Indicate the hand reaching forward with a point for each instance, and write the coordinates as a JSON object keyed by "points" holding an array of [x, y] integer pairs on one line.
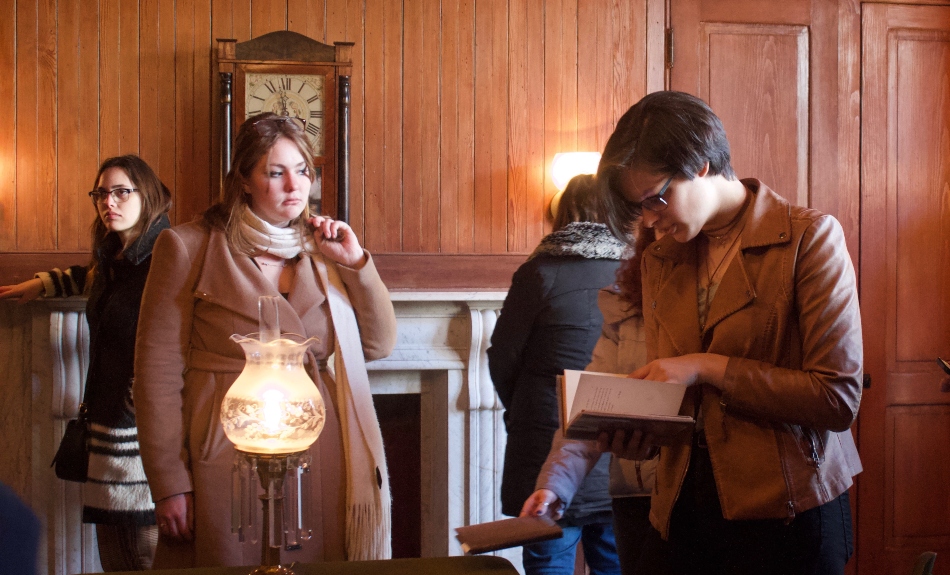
{"points": [[23, 292], [541, 502]]}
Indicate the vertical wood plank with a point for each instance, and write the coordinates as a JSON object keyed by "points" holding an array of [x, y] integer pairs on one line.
{"points": [[109, 79], [534, 226], [308, 17], [393, 126], [90, 131], [241, 20], [71, 179], [26, 92], [448, 129], [267, 16], [185, 168], [499, 127], [374, 123], [413, 82], [221, 27], [431, 138], [128, 87], [9, 115], [202, 191], [483, 126], [517, 183], [467, 223], [165, 162]]}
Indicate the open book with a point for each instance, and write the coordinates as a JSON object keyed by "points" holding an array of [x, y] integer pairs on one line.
{"points": [[506, 533], [592, 402]]}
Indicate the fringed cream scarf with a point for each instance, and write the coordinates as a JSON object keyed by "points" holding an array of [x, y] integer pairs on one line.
{"points": [[368, 500], [282, 242]]}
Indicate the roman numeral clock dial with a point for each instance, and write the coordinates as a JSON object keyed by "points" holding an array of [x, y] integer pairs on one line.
{"points": [[298, 96]]}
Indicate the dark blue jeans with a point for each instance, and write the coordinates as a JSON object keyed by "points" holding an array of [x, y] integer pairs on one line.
{"points": [[556, 557]]}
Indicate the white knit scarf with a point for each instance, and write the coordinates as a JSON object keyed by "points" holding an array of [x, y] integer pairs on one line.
{"points": [[281, 242], [368, 503]]}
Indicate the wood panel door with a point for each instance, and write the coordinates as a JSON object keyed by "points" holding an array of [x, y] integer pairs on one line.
{"points": [[770, 71], [904, 492]]}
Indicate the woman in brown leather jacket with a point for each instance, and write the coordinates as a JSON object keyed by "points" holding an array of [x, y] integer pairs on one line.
{"points": [[752, 303]]}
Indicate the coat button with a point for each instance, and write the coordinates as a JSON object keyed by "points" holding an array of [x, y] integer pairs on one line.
{"points": [[782, 236], [654, 304], [656, 248]]}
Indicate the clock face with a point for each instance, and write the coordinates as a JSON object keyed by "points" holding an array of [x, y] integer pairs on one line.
{"points": [[296, 95]]}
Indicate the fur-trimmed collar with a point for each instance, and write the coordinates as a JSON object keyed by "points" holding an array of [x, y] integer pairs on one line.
{"points": [[584, 239]]}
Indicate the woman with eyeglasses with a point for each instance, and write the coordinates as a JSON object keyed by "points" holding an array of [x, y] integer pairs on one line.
{"points": [[752, 304], [131, 203], [206, 281]]}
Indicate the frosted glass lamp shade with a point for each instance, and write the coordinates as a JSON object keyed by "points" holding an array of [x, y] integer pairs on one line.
{"points": [[273, 406]]}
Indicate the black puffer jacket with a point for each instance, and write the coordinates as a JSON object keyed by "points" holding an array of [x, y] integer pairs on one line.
{"points": [[550, 322]]}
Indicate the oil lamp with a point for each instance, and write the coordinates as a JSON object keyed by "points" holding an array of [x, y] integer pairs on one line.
{"points": [[272, 413]]}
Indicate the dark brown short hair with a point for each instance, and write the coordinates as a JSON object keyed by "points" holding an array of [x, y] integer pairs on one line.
{"points": [[666, 132]]}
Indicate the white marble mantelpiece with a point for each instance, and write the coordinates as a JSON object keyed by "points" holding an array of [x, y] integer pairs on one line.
{"points": [[440, 355]]}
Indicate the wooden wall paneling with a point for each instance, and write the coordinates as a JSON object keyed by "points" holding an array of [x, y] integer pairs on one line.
{"points": [[430, 238], [267, 16], [185, 166], [371, 119], [393, 126], [128, 87], [150, 87], [467, 225], [655, 49], [498, 92], [202, 188], [308, 17], [485, 84], [36, 137], [594, 73], [74, 210], [414, 84], [165, 160], [449, 136], [518, 136], [16, 395], [822, 172], [9, 115], [110, 79], [560, 88], [241, 20], [535, 159]]}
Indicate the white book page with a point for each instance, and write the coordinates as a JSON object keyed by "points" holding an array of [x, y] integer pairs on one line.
{"points": [[612, 393]]}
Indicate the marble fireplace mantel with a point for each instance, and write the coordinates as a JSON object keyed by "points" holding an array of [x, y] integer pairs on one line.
{"points": [[440, 355]]}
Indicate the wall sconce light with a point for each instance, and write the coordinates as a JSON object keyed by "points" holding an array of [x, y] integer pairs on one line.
{"points": [[565, 166]]}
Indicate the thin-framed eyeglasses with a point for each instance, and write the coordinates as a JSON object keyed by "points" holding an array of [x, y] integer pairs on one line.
{"points": [[120, 195], [656, 203]]}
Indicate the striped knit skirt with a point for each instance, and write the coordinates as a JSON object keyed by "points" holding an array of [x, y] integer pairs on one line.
{"points": [[116, 491]]}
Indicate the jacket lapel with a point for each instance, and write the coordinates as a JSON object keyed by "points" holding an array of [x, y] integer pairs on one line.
{"points": [[306, 297], [233, 282], [676, 311]]}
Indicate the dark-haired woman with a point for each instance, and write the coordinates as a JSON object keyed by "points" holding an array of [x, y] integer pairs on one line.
{"points": [[752, 303], [549, 323], [131, 203], [206, 281]]}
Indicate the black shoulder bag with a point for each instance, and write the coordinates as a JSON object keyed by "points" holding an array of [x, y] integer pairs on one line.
{"points": [[72, 457]]}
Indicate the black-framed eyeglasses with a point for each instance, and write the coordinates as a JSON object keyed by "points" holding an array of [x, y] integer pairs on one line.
{"points": [[656, 203], [120, 195]]}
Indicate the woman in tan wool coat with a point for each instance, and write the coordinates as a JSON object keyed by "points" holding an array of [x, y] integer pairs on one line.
{"points": [[204, 286]]}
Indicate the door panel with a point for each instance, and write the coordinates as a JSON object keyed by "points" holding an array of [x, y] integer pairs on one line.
{"points": [[769, 70], [904, 493]]}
